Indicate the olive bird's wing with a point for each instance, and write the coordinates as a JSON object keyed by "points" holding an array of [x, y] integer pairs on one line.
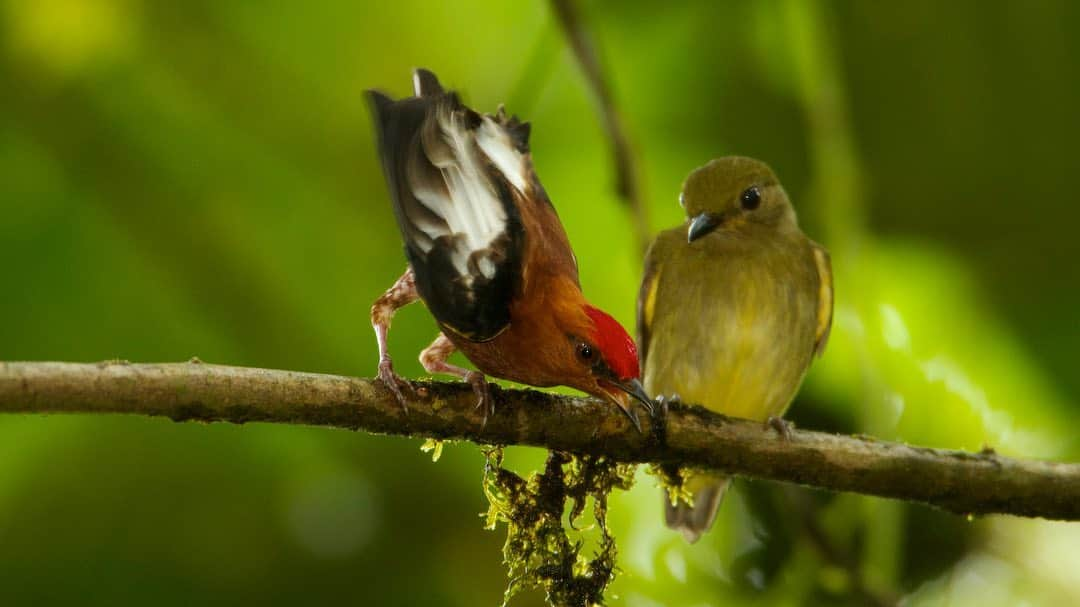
{"points": [[825, 298], [646, 303]]}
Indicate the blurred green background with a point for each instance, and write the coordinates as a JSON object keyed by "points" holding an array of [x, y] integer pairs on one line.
{"points": [[199, 178]]}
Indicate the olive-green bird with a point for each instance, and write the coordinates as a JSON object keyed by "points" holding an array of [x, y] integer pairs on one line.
{"points": [[734, 305]]}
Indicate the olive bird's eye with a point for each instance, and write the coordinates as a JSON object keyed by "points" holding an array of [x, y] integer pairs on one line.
{"points": [[750, 198], [585, 352]]}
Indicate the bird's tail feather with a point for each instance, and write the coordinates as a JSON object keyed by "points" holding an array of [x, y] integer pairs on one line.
{"points": [[426, 84], [693, 521]]}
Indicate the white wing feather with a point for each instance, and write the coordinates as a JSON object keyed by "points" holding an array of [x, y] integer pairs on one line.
{"points": [[469, 205]]}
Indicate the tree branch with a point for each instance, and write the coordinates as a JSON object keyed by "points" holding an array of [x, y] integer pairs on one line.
{"points": [[964, 483], [627, 185]]}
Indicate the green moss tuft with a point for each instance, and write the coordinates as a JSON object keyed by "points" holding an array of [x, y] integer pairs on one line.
{"points": [[434, 446], [673, 480], [539, 551]]}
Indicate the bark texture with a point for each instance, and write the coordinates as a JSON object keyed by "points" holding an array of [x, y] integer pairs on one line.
{"points": [[961, 482]]}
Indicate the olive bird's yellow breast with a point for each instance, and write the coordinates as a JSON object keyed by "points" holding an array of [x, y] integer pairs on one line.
{"points": [[731, 320]]}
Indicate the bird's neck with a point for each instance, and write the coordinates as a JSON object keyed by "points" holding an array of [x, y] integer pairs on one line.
{"points": [[555, 304]]}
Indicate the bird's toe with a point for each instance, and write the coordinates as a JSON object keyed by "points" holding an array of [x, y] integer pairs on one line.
{"points": [[482, 390], [658, 415], [663, 403], [393, 382], [782, 427]]}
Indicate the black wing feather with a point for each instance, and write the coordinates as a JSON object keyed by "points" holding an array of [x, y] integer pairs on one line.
{"points": [[471, 298]]}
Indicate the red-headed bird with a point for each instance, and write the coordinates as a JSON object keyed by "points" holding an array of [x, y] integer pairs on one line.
{"points": [[488, 256]]}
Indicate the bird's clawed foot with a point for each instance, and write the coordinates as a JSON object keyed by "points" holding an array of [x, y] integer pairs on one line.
{"points": [[393, 381], [659, 413], [482, 389], [663, 402], [783, 428]]}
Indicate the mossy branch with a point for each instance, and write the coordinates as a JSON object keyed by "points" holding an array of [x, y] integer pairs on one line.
{"points": [[960, 482]]}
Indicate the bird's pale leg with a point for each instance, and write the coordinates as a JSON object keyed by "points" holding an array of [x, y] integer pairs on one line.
{"points": [[434, 360], [401, 294]]}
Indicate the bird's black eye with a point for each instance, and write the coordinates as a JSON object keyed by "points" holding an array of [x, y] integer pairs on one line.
{"points": [[750, 198], [585, 352]]}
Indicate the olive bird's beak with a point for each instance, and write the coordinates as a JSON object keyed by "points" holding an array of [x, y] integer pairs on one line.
{"points": [[702, 225], [621, 392]]}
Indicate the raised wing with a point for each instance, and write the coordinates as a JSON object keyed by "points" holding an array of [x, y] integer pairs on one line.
{"points": [[456, 178]]}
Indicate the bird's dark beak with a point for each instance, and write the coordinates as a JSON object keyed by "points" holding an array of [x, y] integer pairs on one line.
{"points": [[702, 225], [621, 392]]}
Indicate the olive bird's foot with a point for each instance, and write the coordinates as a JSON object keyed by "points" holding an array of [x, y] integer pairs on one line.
{"points": [[665, 402], [659, 415], [783, 428], [482, 390], [393, 382]]}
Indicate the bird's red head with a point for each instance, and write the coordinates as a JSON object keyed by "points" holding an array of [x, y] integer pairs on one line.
{"points": [[616, 346], [611, 355]]}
